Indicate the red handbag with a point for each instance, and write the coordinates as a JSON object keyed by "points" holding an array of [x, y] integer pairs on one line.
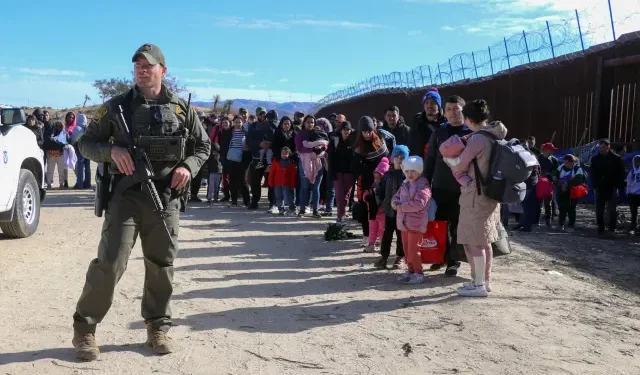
{"points": [[544, 188], [579, 191], [434, 243]]}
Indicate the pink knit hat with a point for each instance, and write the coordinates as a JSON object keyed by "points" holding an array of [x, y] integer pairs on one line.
{"points": [[383, 167]]}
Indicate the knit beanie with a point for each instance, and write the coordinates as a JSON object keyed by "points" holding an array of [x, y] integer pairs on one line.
{"points": [[366, 124], [382, 167], [400, 150], [272, 115], [413, 163], [433, 94]]}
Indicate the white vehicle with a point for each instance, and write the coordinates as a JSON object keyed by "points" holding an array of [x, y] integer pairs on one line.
{"points": [[21, 175]]}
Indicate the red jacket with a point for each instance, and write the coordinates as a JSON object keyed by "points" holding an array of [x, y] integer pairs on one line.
{"points": [[279, 176]]}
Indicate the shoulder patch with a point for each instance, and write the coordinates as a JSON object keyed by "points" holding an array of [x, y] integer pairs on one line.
{"points": [[178, 110], [102, 110]]}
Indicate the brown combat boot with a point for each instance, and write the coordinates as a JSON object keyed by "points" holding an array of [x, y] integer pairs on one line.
{"points": [[158, 340], [86, 347]]}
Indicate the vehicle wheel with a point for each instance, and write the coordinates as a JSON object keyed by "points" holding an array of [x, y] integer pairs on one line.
{"points": [[26, 210]]}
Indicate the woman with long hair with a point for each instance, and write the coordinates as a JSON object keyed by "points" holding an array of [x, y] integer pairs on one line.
{"points": [[479, 223], [370, 148], [232, 155], [311, 166]]}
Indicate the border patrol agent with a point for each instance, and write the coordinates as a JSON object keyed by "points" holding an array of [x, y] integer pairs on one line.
{"points": [[163, 125]]}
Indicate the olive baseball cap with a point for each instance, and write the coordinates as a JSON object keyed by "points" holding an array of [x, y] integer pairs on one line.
{"points": [[259, 110], [152, 53]]}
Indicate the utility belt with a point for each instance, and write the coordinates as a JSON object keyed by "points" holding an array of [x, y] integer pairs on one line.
{"points": [[163, 148]]}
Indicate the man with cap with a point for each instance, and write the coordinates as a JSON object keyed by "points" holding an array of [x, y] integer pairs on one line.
{"points": [[425, 122], [259, 137], [297, 122], [548, 164], [152, 112]]}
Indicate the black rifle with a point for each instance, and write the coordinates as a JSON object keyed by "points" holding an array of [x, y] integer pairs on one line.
{"points": [[143, 173], [186, 193]]}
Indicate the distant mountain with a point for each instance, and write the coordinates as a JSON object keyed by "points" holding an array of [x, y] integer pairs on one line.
{"points": [[284, 109]]}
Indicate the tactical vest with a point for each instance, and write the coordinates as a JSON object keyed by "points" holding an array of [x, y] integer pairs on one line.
{"points": [[157, 129]]}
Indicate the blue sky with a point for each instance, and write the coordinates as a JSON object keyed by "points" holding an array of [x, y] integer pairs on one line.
{"points": [[279, 49]]}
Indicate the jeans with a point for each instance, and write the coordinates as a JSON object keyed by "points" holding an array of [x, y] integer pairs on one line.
{"points": [[213, 190], [448, 210], [238, 182], [343, 188], [83, 173], [284, 198], [566, 207], [608, 199], [387, 238], [310, 193], [256, 175], [331, 193]]}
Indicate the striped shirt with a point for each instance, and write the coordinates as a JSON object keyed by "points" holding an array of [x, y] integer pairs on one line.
{"points": [[237, 138]]}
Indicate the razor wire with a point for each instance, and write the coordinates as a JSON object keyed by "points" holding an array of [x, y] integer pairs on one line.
{"points": [[546, 46]]}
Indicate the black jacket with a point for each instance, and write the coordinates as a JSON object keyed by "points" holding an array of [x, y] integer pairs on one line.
{"points": [[548, 165], [281, 140], [49, 142], [258, 132], [435, 169], [421, 131], [37, 131], [214, 163], [387, 188], [607, 172], [363, 168], [401, 132], [341, 154]]}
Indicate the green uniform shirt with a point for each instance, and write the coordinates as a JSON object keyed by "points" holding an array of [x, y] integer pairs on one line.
{"points": [[95, 143]]}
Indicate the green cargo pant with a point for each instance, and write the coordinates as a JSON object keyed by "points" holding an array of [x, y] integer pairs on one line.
{"points": [[125, 218]]}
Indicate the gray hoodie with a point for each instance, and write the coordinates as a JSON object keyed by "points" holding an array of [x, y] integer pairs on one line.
{"points": [[633, 178]]}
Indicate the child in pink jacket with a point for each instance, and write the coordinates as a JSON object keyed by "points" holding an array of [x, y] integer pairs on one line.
{"points": [[376, 213], [412, 205]]}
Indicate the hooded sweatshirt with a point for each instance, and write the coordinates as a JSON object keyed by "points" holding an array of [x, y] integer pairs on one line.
{"points": [[633, 178]]}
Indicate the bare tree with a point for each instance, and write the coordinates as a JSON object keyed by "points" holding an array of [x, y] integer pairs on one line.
{"points": [[226, 108], [216, 101]]}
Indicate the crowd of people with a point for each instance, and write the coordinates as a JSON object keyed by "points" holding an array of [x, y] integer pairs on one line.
{"points": [[388, 175], [391, 177], [58, 140]]}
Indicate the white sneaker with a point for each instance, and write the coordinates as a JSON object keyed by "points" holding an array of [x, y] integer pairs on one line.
{"points": [[370, 249], [365, 241], [417, 278], [274, 210], [405, 277], [475, 291], [472, 285]]}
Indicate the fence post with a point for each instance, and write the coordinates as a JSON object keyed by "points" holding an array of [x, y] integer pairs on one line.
{"points": [[413, 74], [473, 56], [580, 30], [462, 66], [613, 27], [507, 50], [526, 45], [553, 52], [422, 76], [430, 75], [491, 61], [451, 70], [440, 74]]}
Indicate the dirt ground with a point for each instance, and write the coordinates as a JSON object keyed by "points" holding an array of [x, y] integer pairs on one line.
{"points": [[262, 294]]}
